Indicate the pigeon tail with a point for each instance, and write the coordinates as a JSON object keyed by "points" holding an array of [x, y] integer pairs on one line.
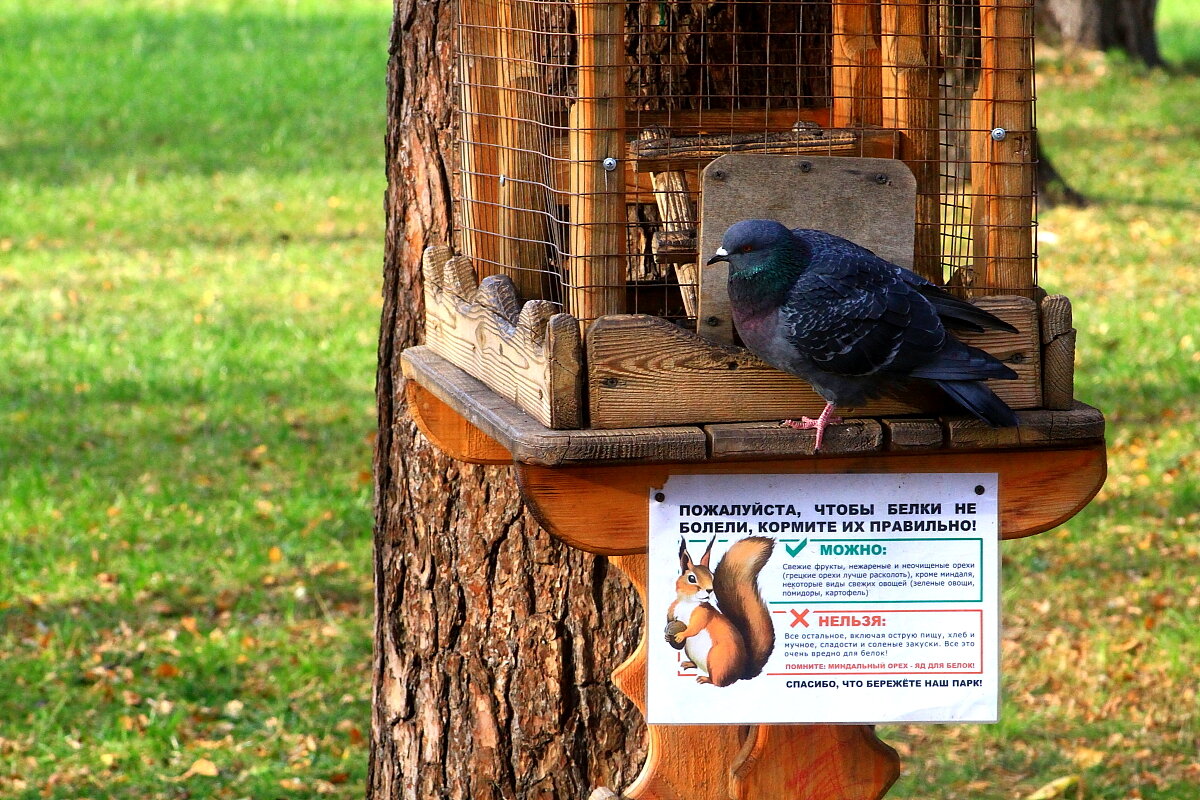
{"points": [[981, 401]]}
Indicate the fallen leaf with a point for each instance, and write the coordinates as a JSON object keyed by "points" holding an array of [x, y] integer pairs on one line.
{"points": [[202, 767], [1087, 757], [166, 670], [275, 555], [1054, 788]]}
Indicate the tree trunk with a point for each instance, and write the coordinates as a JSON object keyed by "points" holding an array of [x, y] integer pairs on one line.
{"points": [[1126, 25], [493, 642]]}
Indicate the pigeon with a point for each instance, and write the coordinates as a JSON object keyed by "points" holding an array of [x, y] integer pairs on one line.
{"points": [[852, 324]]}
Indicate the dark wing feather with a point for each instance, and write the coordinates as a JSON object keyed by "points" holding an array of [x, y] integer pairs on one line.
{"points": [[852, 314], [955, 313]]}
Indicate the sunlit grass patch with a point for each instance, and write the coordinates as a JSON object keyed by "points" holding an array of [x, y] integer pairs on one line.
{"points": [[189, 258]]}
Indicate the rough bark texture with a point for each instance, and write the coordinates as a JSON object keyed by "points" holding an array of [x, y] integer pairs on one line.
{"points": [[1103, 25], [493, 643]]}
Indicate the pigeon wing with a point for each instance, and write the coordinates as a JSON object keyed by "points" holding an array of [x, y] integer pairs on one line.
{"points": [[858, 318]]}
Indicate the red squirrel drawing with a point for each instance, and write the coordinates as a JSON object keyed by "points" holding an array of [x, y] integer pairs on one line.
{"points": [[719, 618]]}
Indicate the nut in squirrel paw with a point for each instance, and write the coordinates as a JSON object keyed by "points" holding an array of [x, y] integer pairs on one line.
{"points": [[674, 626]]}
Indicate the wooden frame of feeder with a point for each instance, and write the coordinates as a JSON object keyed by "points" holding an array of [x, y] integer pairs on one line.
{"points": [[593, 415]]}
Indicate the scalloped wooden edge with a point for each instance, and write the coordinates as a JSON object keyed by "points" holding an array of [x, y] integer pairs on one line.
{"points": [[529, 354]]}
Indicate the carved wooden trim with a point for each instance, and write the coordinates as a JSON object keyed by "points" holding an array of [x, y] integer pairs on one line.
{"points": [[529, 354]]}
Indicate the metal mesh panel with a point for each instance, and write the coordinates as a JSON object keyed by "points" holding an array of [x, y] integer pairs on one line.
{"points": [[585, 127]]}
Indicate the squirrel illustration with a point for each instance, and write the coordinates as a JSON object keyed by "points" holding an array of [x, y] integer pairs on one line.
{"points": [[719, 618]]}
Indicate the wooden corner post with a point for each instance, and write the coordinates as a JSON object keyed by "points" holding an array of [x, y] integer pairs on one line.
{"points": [[1002, 179]]}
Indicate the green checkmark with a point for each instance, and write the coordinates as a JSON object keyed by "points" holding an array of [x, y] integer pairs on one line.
{"points": [[791, 551]]}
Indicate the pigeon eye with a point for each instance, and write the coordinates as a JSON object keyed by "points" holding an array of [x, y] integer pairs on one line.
{"points": [[745, 248]]}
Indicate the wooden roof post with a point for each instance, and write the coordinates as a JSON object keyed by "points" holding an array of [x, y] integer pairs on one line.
{"points": [[597, 186], [910, 105], [857, 95]]}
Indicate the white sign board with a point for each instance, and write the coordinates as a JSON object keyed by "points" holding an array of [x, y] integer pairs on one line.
{"points": [[878, 600]]}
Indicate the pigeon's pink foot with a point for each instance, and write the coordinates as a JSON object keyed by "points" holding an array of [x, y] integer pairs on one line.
{"points": [[807, 423]]}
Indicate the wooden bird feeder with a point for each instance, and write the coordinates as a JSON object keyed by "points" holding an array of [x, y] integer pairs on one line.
{"points": [[571, 331]]}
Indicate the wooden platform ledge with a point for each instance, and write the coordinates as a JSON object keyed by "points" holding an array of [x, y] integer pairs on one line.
{"points": [[1049, 467]]}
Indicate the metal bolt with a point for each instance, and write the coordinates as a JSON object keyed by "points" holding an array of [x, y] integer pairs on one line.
{"points": [[1017, 358], [659, 497], [999, 134], [720, 175], [610, 164], [881, 179], [806, 166], [503, 180], [712, 322]]}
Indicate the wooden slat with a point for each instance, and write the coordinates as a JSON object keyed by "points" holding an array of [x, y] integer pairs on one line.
{"points": [[1058, 353], [678, 218], [1003, 177], [524, 201], [699, 151], [749, 440], [910, 105], [857, 87], [1039, 488], [1037, 427], [529, 441], [912, 434], [597, 202], [869, 201], [480, 134], [754, 120], [643, 370], [1021, 350], [529, 354]]}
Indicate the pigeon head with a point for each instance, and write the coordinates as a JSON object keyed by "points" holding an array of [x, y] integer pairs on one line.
{"points": [[755, 245]]}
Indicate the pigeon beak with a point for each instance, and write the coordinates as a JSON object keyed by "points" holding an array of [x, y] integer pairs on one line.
{"points": [[721, 255]]}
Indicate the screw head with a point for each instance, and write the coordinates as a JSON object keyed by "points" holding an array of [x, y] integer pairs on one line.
{"points": [[719, 175], [712, 322], [609, 383], [806, 166], [610, 164], [659, 496], [999, 134], [881, 179]]}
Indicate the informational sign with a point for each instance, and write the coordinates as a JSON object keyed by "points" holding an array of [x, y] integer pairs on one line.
{"points": [[824, 599]]}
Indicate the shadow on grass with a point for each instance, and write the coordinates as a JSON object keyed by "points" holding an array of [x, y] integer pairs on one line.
{"points": [[188, 92]]}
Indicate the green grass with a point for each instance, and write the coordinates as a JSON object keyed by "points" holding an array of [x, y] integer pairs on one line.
{"points": [[1102, 617], [190, 241]]}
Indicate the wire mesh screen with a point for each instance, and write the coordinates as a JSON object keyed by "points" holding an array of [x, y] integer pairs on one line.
{"points": [[585, 127]]}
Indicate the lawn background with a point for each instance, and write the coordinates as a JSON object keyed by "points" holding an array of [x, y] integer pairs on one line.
{"points": [[190, 247]]}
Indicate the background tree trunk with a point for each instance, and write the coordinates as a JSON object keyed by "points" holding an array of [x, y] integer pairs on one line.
{"points": [[1126, 25], [493, 643]]}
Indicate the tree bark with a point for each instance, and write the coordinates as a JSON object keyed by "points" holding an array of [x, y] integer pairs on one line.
{"points": [[1126, 25], [493, 642]]}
